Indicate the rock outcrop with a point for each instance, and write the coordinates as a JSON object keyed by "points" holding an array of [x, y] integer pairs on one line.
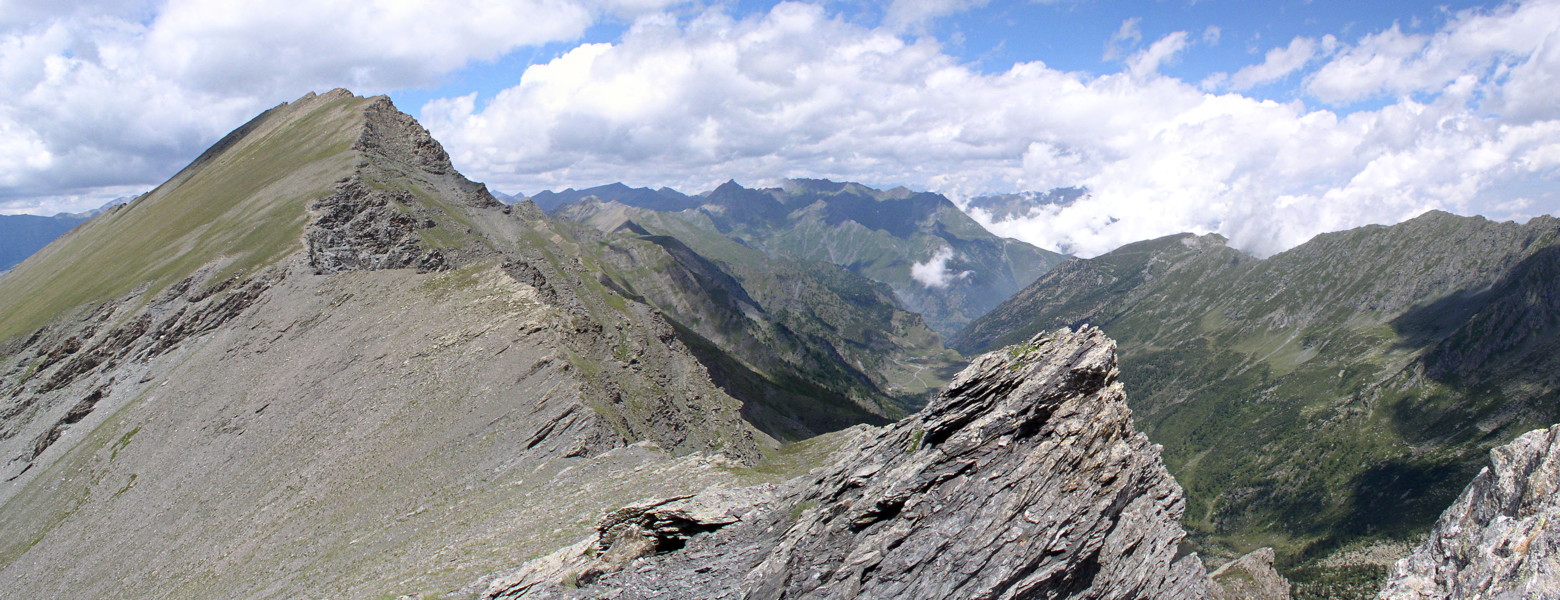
{"points": [[1250, 577], [360, 228], [387, 214], [1501, 539], [1023, 479]]}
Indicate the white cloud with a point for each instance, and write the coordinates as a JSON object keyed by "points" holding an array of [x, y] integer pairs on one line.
{"points": [[934, 273], [109, 94], [906, 14], [793, 89], [1127, 37], [14, 13], [796, 93], [1281, 62], [305, 44], [84, 110], [1474, 42], [1161, 52]]}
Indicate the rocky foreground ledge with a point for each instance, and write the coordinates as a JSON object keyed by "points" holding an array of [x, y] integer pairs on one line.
{"points": [[1501, 539], [1025, 478]]}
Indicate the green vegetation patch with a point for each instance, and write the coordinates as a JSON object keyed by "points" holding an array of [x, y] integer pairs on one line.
{"points": [[243, 204]]}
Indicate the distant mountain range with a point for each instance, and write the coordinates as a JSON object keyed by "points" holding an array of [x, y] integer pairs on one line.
{"points": [[1357, 379], [1003, 207], [802, 340], [664, 199], [938, 262], [23, 235]]}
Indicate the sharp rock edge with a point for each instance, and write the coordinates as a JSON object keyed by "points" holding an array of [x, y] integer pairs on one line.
{"points": [[1501, 539], [1024, 478]]}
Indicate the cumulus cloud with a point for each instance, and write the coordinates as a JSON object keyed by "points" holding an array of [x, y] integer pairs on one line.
{"points": [[934, 273], [798, 93], [113, 95], [1491, 45], [288, 44], [84, 111]]}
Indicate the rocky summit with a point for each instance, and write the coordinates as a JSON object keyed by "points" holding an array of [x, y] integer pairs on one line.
{"points": [[319, 362], [1023, 479]]}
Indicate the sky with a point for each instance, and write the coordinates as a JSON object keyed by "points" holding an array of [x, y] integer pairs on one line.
{"points": [[1266, 122]]}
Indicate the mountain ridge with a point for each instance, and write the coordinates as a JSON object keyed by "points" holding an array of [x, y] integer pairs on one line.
{"points": [[354, 387], [326, 363], [939, 262], [808, 328], [1370, 366]]}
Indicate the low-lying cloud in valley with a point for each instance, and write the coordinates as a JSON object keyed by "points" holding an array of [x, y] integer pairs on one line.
{"points": [[934, 272]]}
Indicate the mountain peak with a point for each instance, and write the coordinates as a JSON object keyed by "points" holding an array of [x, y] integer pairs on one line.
{"points": [[730, 185], [396, 209], [349, 181], [664, 199], [242, 204], [324, 305], [334, 94]]}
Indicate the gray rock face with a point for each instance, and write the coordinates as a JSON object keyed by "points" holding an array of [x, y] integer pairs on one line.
{"points": [[1500, 539], [376, 219], [632, 532], [359, 229], [1023, 479]]}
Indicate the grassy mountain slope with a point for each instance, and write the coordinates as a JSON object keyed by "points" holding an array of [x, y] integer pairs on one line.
{"points": [[319, 362], [800, 343], [1339, 392], [241, 204]]}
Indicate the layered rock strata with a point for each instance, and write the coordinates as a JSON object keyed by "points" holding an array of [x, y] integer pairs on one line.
{"points": [[1023, 479]]}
